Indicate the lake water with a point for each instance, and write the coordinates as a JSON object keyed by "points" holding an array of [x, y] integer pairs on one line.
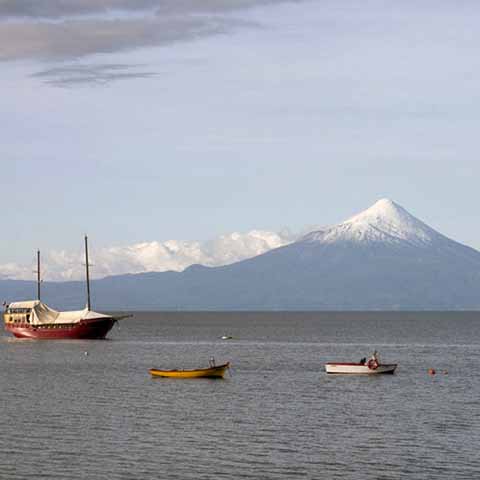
{"points": [[68, 415]]}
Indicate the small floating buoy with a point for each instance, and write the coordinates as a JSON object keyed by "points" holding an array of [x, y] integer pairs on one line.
{"points": [[431, 371]]}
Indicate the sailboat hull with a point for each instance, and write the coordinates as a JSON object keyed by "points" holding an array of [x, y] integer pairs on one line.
{"points": [[93, 328]]}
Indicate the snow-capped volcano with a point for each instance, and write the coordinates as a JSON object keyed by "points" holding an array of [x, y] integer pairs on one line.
{"points": [[383, 222], [382, 258]]}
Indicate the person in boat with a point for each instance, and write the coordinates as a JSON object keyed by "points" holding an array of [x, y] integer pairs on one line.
{"points": [[363, 361], [375, 358]]}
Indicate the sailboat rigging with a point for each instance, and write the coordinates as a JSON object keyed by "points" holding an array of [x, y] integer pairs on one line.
{"points": [[34, 319]]}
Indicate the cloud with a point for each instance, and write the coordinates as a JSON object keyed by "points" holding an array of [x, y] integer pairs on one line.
{"points": [[60, 8], [152, 256], [64, 32], [54, 9], [58, 30], [76, 74], [72, 39]]}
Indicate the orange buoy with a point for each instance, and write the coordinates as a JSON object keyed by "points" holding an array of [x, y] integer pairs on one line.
{"points": [[431, 371]]}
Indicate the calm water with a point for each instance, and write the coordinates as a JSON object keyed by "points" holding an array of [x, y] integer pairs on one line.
{"points": [[68, 415]]}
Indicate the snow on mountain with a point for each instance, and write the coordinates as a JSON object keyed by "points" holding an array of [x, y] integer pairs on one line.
{"points": [[383, 222], [151, 256]]}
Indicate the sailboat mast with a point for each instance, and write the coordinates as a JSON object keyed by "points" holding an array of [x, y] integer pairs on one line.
{"points": [[88, 272], [38, 275]]}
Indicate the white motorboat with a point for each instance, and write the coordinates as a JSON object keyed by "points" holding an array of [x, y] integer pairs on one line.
{"points": [[358, 368], [371, 367]]}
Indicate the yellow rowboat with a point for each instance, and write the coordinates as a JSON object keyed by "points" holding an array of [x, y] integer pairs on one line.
{"points": [[211, 372]]}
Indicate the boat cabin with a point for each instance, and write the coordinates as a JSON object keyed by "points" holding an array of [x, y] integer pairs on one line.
{"points": [[17, 314]]}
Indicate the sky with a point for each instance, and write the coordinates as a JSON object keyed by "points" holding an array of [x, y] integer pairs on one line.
{"points": [[147, 121]]}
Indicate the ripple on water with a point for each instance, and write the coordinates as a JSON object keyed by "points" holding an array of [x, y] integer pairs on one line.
{"points": [[278, 417]]}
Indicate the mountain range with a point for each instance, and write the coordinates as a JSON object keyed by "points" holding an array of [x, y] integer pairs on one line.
{"points": [[381, 259]]}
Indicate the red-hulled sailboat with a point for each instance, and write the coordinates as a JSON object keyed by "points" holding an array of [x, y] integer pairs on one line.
{"points": [[34, 319]]}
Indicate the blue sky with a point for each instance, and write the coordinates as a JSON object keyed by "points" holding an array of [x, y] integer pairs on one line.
{"points": [[286, 114]]}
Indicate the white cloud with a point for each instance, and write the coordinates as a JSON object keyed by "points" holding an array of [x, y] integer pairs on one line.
{"points": [[151, 256]]}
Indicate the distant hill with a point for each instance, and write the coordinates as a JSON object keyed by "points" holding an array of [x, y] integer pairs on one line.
{"points": [[383, 258]]}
